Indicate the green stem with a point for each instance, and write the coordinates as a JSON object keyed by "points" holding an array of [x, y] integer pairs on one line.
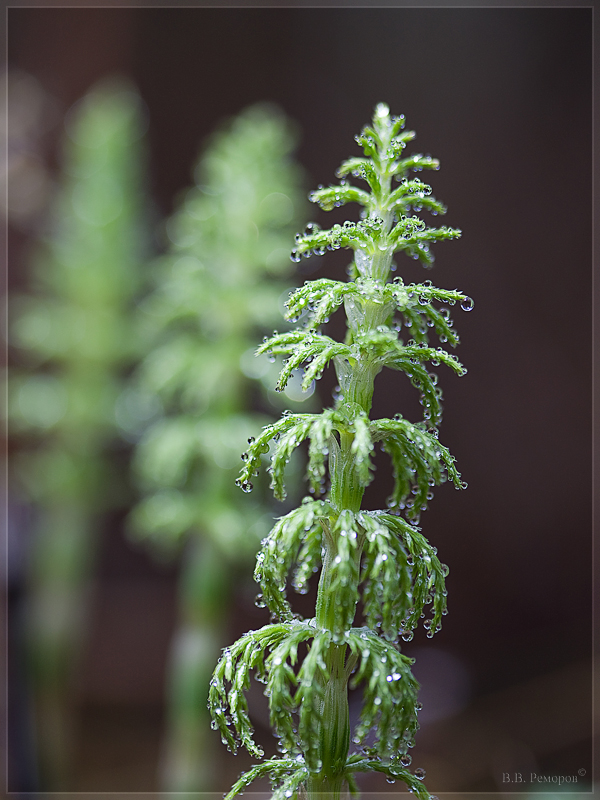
{"points": [[204, 589], [325, 788], [334, 730], [56, 621], [357, 384], [334, 734]]}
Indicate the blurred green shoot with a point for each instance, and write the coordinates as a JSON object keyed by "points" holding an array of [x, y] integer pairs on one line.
{"points": [[217, 287], [74, 343]]}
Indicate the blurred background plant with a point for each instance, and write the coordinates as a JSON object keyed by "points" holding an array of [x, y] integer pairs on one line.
{"points": [[219, 284], [74, 343]]}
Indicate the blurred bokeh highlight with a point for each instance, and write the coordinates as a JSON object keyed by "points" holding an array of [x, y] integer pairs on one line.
{"points": [[503, 97]]}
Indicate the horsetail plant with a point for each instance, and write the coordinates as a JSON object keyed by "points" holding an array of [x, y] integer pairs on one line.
{"points": [[215, 289], [380, 558], [74, 343]]}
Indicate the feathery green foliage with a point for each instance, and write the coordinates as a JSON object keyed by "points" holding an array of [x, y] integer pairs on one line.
{"points": [[74, 342], [217, 287], [379, 557], [210, 299]]}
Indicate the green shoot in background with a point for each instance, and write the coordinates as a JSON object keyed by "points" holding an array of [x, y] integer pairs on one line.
{"points": [[216, 288], [73, 339], [378, 557]]}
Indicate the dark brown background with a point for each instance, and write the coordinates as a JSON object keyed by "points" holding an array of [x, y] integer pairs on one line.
{"points": [[503, 98]]}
